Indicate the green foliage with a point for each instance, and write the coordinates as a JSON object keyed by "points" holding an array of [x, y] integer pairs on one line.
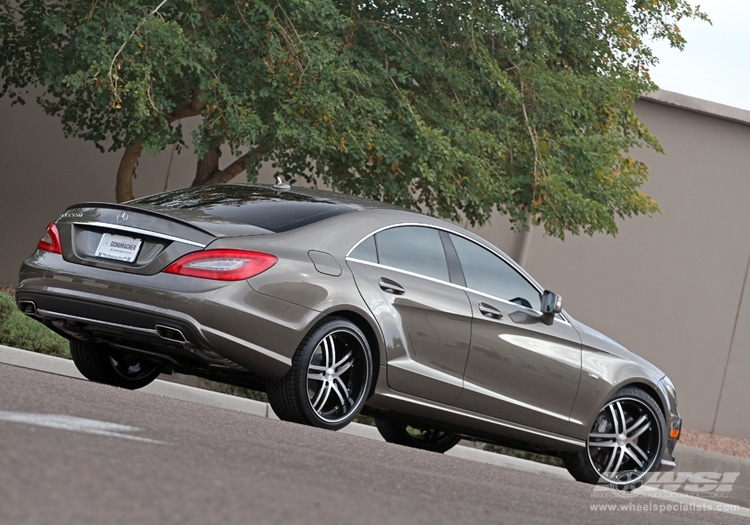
{"points": [[453, 108], [20, 331]]}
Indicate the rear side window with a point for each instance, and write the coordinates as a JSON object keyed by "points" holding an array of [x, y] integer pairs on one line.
{"points": [[487, 273], [365, 251], [415, 249]]}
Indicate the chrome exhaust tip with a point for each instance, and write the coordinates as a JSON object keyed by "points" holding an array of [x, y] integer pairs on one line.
{"points": [[170, 334], [28, 308]]}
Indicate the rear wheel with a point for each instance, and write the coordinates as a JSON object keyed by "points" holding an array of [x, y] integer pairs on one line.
{"points": [[330, 377], [422, 438], [100, 363], [625, 442]]}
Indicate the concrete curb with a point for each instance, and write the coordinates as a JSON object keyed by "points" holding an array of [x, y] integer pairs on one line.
{"points": [[703, 461], [690, 460]]}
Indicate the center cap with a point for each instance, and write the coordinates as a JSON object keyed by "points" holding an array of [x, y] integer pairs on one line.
{"points": [[329, 373], [621, 439]]}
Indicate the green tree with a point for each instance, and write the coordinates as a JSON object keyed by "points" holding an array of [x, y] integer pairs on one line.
{"points": [[454, 108]]}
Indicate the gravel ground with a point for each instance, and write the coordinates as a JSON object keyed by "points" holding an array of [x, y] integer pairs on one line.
{"points": [[714, 443]]}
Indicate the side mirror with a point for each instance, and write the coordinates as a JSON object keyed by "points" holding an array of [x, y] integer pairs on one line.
{"points": [[551, 306]]}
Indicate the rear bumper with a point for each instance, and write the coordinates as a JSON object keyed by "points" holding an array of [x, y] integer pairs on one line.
{"points": [[226, 325], [171, 338]]}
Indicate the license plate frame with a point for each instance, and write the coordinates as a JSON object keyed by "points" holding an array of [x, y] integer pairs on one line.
{"points": [[118, 247]]}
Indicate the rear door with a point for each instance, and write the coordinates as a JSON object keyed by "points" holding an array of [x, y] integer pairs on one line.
{"points": [[519, 369], [403, 275]]}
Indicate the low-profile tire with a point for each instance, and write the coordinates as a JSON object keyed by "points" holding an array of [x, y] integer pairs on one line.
{"points": [[100, 363], [422, 438], [625, 443], [330, 377]]}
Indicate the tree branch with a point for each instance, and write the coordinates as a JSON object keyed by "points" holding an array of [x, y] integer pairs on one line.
{"points": [[113, 84], [236, 167]]}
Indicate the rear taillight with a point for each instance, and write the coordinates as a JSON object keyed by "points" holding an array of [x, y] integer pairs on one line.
{"points": [[51, 240], [223, 265]]}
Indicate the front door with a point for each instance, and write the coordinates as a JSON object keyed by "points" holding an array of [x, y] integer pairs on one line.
{"points": [[519, 369]]}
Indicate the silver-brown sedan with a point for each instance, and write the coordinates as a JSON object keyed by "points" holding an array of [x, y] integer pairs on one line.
{"points": [[334, 306]]}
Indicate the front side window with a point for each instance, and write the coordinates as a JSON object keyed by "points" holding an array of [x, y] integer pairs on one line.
{"points": [[414, 249], [487, 273]]}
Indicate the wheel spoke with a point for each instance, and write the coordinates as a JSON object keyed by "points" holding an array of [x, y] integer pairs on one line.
{"points": [[639, 427], [321, 397], [612, 459], [346, 366], [316, 377], [602, 435], [329, 351], [335, 388], [604, 443], [632, 455], [343, 359], [615, 419], [640, 451], [623, 418], [619, 461]]}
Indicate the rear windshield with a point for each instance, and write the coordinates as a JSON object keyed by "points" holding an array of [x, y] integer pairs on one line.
{"points": [[256, 205]]}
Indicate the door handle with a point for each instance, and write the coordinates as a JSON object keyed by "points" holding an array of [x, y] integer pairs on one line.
{"points": [[490, 311], [391, 286]]}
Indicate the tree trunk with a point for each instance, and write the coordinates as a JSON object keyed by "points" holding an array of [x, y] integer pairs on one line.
{"points": [[124, 185], [206, 167]]}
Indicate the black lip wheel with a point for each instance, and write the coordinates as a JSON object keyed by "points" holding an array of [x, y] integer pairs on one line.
{"points": [[330, 377], [431, 439], [625, 442], [100, 363]]}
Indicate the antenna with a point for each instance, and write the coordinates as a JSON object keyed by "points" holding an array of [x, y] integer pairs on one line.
{"points": [[281, 185]]}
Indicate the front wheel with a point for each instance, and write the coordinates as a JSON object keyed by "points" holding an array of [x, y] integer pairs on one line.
{"points": [[330, 377], [625, 442], [100, 363], [419, 437]]}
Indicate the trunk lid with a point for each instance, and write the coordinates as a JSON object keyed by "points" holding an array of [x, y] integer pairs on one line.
{"points": [[139, 239]]}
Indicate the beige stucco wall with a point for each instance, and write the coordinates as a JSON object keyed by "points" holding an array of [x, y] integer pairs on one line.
{"points": [[668, 287]]}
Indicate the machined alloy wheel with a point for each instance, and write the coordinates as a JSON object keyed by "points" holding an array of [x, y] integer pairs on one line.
{"points": [[431, 439], [625, 442], [330, 377], [100, 363]]}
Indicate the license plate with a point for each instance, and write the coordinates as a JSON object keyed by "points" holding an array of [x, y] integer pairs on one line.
{"points": [[118, 247]]}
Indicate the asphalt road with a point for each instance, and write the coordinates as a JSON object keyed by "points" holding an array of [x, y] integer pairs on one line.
{"points": [[75, 452]]}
